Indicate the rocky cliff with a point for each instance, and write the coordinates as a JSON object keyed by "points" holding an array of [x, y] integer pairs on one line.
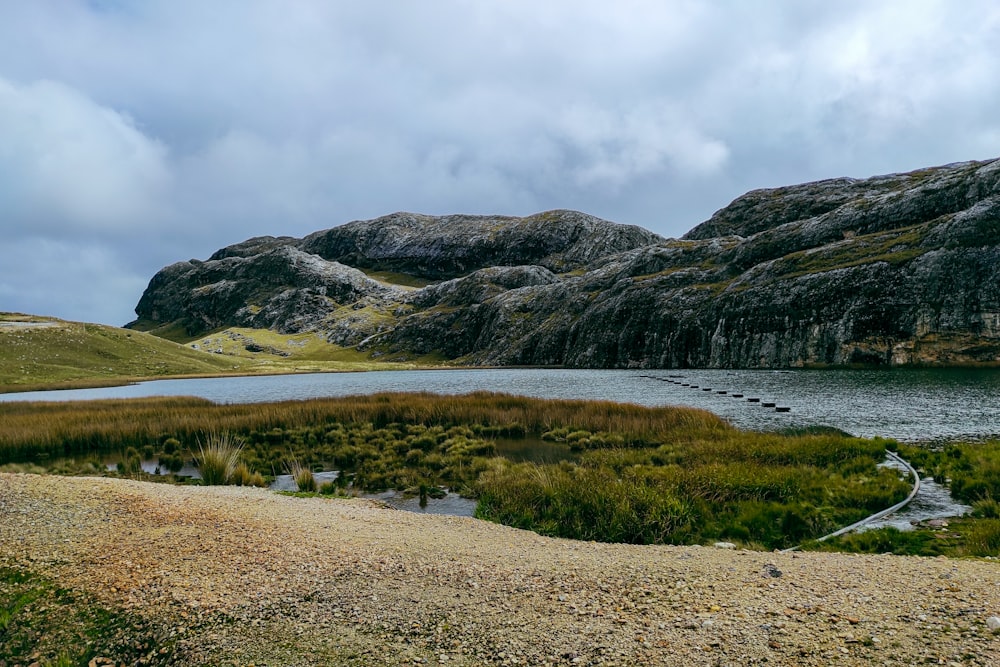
{"points": [[892, 270]]}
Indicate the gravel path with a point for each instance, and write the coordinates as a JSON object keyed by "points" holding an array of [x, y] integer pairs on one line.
{"points": [[245, 576]]}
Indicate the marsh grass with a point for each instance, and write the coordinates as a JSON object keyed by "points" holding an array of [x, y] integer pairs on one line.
{"points": [[637, 474], [971, 470], [767, 490], [218, 458], [304, 479], [60, 429], [963, 538], [982, 538], [885, 541]]}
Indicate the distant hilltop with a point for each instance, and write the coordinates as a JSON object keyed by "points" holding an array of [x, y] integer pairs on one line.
{"points": [[893, 270]]}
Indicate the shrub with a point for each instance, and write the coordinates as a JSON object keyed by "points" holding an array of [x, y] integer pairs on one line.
{"points": [[171, 445], [175, 463]]}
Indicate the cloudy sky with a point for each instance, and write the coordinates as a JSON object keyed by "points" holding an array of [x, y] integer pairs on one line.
{"points": [[136, 133]]}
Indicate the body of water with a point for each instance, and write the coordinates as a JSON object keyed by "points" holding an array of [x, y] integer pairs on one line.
{"points": [[911, 405]]}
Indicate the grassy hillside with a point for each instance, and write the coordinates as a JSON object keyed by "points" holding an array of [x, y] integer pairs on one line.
{"points": [[43, 351], [302, 351]]}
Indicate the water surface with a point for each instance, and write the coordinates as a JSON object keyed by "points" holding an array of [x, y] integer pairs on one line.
{"points": [[911, 405]]}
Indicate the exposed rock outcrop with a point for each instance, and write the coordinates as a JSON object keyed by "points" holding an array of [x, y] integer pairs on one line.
{"points": [[894, 270], [279, 287], [455, 245]]}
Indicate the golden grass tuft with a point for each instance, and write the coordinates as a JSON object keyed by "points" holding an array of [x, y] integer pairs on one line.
{"points": [[218, 458]]}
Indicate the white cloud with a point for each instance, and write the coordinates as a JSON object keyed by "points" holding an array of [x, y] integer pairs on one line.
{"points": [[70, 165]]}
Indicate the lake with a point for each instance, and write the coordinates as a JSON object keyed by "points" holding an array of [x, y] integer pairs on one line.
{"points": [[910, 405]]}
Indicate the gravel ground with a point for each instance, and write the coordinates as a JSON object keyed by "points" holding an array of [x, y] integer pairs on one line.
{"points": [[245, 576]]}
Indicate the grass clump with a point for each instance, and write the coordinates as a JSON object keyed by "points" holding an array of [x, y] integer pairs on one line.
{"points": [[982, 538], [243, 476], [304, 479], [219, 458]]}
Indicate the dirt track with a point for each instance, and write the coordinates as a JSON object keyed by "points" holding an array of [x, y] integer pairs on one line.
{"points": [[246, 576]]}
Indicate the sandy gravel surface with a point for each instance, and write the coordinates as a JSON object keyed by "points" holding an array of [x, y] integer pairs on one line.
{"points": [[244, 576]]}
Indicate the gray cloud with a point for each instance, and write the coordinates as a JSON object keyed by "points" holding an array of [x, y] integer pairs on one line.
{"points": [[71, 165], [135, 134]]}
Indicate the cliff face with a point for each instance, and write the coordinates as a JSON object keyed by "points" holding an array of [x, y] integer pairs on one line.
{"points": [[900, 269]]}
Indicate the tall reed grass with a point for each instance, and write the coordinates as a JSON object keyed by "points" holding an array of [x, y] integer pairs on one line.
{"points": [[55, 429], [218, 458]]}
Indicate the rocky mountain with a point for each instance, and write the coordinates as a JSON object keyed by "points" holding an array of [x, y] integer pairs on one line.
{"points": [[892, 270]]}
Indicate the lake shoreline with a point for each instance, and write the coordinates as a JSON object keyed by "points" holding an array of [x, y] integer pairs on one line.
{"points": [[101, 382], [909, 405]]}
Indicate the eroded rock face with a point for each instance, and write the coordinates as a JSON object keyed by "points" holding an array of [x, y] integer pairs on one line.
{"points": [[455, 245], [281, 288], [899, 269]]}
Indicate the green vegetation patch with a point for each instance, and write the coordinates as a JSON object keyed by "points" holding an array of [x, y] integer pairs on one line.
{"points": [[764, 490], [56, 352], [975, 536], [894, 247], [398, 279], [265, 350], [972, 473], [47, 353], [43, 624], [173, 331], [970, 470], [275, 347]]}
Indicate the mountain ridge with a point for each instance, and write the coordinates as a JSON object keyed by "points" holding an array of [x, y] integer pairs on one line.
{"points": [[902, 269]]}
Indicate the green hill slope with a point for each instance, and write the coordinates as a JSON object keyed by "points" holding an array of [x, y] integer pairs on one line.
{"points": [[43, 351]]}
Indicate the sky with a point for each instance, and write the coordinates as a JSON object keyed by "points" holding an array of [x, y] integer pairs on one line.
{"points": [[138, 133]]}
